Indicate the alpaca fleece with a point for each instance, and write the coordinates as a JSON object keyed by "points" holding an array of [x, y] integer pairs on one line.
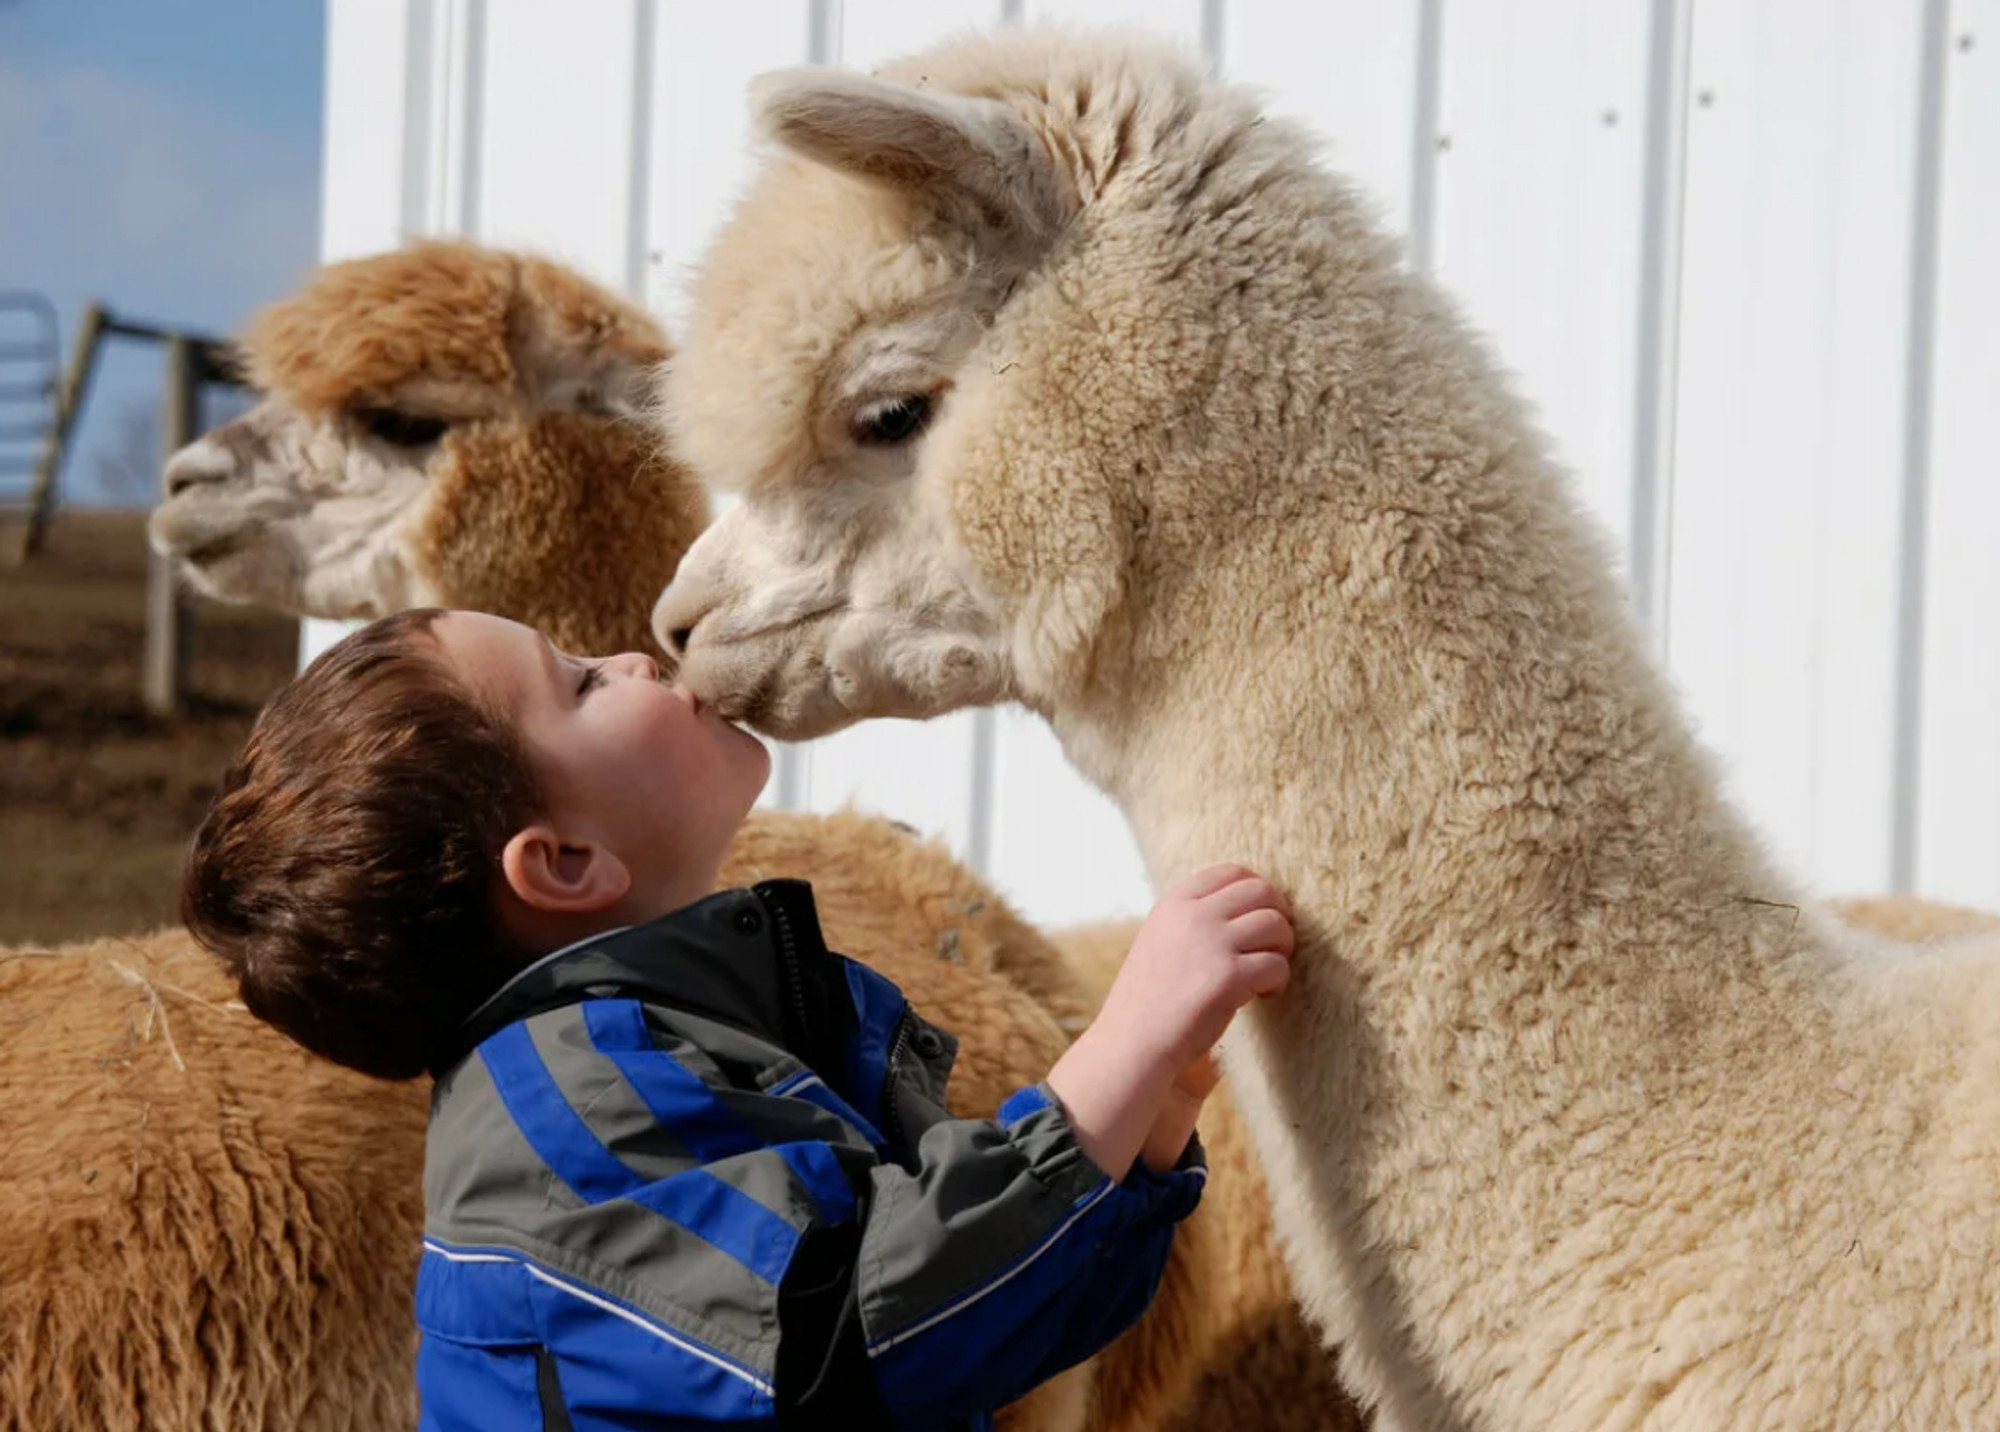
{"points": [[1578, 1114]]}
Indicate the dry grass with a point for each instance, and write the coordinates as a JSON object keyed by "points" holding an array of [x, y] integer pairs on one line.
{"points": [[97, 797]]}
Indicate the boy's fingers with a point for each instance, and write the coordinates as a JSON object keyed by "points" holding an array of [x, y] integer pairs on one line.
{"points": [[1246, 893], [1206, 882], [1262, 929], [1265, 972]]}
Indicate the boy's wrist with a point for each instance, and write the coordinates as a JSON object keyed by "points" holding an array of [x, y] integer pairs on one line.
{"points": [[1134, 1042], [1112, 1087]]}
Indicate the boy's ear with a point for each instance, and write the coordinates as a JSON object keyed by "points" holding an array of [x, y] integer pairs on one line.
{"points": [[546, 874]]}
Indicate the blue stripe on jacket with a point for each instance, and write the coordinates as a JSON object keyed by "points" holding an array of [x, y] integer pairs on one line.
{"points": [[552, 1128], [818, 1168], [816, 1091], [677, 1097], [695, 1200], [483, 1311]]}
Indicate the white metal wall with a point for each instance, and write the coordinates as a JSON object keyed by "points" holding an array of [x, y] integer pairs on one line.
{"points": [[1732, 248]]}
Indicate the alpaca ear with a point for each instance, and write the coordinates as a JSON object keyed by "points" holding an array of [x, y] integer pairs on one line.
{"points": [[574, 349], [972, 157], [604, 382]]}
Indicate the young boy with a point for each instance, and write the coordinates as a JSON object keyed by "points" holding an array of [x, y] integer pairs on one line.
{"points": [[685, 1166]]}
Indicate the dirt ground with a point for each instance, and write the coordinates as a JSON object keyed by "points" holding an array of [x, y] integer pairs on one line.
{"points": [[97, 797]]}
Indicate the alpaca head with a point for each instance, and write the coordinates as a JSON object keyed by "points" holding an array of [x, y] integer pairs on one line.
{"points": [[442, 424], [845, 381], [949, 349]]}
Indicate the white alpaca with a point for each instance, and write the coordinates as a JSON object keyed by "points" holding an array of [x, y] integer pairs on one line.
{"points": [[1051, 373]]}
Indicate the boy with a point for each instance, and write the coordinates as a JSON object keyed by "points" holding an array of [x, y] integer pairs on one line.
{"points": [[685, 1166]]}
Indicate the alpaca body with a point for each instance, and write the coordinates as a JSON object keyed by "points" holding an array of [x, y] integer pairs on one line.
{"points": [[1576, 1114]]}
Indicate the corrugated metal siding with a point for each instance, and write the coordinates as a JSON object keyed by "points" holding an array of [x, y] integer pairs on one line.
{"points": [[1738, 252]]}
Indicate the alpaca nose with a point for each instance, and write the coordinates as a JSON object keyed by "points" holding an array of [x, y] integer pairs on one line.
{"points": [[198, 464], [675, 638], [678, 614]]}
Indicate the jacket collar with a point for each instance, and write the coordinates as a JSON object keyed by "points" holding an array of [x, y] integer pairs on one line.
{"points": [[752, 958]]}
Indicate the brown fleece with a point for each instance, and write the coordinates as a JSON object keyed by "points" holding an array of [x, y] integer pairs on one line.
{"points": [[461, 318], [569, 523], [201, 1226], [1905, 917]]}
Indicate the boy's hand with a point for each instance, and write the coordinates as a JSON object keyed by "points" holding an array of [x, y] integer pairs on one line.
{"points": [[1136, 1078], [1213, 943]]}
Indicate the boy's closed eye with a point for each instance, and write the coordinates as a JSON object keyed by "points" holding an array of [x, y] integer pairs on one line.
{"points": [[593, 675]]}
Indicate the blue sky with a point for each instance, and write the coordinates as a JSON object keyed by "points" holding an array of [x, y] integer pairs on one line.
{"points": [[162, 156]]}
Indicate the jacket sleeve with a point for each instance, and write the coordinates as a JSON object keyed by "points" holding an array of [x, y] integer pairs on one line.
{"points": [[1004, 1256]]}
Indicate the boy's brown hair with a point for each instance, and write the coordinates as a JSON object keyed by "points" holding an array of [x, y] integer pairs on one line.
{"points": [[347, 872]]}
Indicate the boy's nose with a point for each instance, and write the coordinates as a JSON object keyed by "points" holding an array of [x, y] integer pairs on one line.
{"points": [[637, 663]]}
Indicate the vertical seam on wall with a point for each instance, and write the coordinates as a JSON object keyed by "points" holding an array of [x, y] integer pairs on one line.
{"points": [[638, 184], [470, 139], [1214, 23], [419, 78], [823, 32], [1906, 768], [1663, 211], [445, 66], [1424, 142], [326, 141], [980, 813]]}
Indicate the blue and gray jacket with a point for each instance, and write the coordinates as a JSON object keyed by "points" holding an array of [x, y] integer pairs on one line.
{"points": [[699, 1172]]}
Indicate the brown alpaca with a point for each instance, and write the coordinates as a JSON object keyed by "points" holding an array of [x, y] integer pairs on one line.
{"points": [[441, 426], [259, 1211]]}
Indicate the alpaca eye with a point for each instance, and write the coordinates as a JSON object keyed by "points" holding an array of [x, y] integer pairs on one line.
{"points": [[408, 430], [893, 421]]}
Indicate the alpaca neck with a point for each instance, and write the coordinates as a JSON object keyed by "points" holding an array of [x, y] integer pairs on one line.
{"points": [[1496, 784], [571, 525]]}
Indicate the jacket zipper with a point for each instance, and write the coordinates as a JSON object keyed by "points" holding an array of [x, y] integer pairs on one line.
{"points": [[892, 1119], [795, 994], [788, 959]]}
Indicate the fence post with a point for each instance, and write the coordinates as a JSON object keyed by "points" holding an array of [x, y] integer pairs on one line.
{"points": [[62, 423], [165, 672]]}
